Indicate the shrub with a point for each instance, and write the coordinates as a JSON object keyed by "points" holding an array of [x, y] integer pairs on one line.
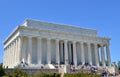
{"points": [[7, 73], [1, 70], [81, 75], [43, 74], [18, 73]]}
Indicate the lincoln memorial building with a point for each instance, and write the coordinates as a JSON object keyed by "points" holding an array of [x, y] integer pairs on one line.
{"points": [[38, 43]]}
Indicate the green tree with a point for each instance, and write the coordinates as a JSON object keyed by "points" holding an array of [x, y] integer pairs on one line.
{"points": [[118, 65], [2, 72]]}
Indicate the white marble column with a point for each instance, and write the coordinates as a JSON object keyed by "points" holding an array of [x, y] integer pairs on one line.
{"points": [[7, 57], [29, 50], [13, 48], [61, 52], [89, 54], [20, 39], [39, 49], [96, 54], [48, 51], [108, 55], [82, 53], [8, 61], [10, 54], [66, 51], [70, 54], [103, 56], [16, 51], [74, 53], [4, 57], [57, 52]]}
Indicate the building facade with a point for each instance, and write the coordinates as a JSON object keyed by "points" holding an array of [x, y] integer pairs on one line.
{"points": [[37, 42]]}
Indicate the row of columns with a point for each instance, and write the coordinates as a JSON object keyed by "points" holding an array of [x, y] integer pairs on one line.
{"points": [[13, 52], [65, 49], [103, 55]]}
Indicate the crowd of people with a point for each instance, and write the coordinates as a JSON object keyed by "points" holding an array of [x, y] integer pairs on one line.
{"points": [[92, 69]]}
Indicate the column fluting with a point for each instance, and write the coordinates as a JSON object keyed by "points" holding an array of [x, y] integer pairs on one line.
{"points": [[89, 54], [103, 55], [48, 51], [74, 53], [66, 51], [82, 53], [96, 55], [57, 52], [39, 48], [29, 50]]}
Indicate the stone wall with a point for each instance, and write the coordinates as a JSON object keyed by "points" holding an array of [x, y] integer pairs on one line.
{"points": [[31, 71]]}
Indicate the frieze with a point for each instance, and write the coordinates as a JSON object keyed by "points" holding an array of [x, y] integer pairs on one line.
{"points": [[58, 27]]}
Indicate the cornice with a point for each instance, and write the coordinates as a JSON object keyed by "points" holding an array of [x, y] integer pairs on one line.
{"points": [[65, 33], [50, 31]]}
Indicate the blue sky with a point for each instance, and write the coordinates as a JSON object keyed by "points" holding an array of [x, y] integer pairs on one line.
{"points": [[102, 15]]}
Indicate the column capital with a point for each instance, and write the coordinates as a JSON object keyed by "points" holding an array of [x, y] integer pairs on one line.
{"points": [[81, 42], [48, 39], [101, 45], [69, 43], [95, 44], [107, 45], [74, 42], [20, 36], [14, 42], [29, 37], [39, 37], [57, 39], [65, 40], [61, 42], [11, 43], [88, 43]]}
